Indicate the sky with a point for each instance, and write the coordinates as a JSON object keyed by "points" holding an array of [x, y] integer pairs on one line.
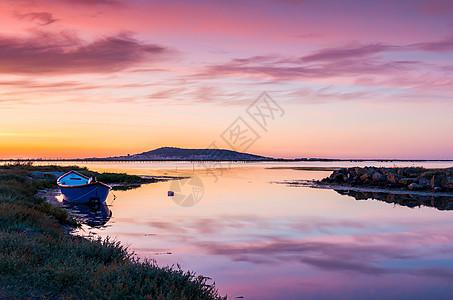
{"points": [[341, 79]]}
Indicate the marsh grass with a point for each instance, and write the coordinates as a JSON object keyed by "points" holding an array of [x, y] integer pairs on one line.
{"points": [[39, 261], [121, 178]]}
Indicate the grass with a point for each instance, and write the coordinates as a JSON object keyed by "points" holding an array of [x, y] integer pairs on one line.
{"points": [[21, 167], [39, 261], [47, 179], [121, 178]]}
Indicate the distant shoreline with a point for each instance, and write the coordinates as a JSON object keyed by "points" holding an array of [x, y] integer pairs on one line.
{"points": [[218, 160]]}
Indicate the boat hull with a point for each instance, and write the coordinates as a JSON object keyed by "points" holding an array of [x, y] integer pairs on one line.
{"points": [[88, 193]]}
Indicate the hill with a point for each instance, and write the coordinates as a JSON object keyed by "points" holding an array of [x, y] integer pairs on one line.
{"points": [[172, 153]]}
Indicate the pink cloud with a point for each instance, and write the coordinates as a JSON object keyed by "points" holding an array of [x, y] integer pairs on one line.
{"points": [[346, 53], [65, 53], [42, 18], [345, 64], [437, 46]]}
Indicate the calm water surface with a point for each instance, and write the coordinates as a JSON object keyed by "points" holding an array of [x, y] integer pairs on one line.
{"points": [[262, 240]]}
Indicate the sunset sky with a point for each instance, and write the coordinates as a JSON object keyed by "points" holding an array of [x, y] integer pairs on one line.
{"points": [[355, 79]]}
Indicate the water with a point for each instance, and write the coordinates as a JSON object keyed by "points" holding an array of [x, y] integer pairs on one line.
{"points": [[262, 240]]}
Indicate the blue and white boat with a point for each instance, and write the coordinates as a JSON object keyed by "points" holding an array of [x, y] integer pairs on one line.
{"points": [[78, 188]]}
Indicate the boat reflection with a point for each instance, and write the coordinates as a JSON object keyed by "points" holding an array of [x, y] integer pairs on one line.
{"points": [[91, 215], [410, 199]]}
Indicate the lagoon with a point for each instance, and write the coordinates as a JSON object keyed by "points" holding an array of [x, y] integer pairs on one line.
{"points": [[258, 239]]}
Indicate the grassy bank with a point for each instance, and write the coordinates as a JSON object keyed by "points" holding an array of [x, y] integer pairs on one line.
{"points": [[38, 260]]}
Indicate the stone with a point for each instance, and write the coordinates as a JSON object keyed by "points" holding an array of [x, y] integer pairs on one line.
{"points": [[412, 172], [424, 182], [342, 171], [406, 181], [415, 187], [447, 183], [359, 171], [387, 171], [435, 181], [393, 177], [379, 177], [352, 174], [338, 177]]}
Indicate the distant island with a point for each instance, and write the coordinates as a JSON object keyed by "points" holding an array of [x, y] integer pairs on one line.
{"points": [[173, 153], [181, 154]]}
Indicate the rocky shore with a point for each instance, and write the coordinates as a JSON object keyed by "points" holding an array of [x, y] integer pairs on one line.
{"points": [[414, 179]]}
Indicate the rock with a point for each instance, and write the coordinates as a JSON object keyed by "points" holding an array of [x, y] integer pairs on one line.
{"points": [[369, 169], [338, 177], [435, 181], [415, 187], [393, 177], [342, 171], [359, 171], [379, 177], [387, 171], [424, 182], [412, 172], [351, 175], [447, 183], [406, 181]]}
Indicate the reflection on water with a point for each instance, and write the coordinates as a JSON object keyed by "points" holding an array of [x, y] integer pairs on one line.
{"points": [[265, 241], [91, 215], [409, 200]]}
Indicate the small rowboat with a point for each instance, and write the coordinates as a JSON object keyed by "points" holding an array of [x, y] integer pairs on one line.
{"points": [[78, 188]]}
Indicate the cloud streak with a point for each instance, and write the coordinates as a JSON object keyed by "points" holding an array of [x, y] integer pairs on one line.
{"points": [[42, 18], [377, 64], [64, 53]]}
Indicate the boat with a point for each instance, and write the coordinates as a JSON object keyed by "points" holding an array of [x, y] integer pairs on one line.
{"points": [[78, 188]]}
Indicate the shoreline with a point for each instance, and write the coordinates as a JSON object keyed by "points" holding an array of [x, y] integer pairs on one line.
{"points": [[341, 187], [410, 187], [52, 196], [40, 259], [396, 180], [24, 160]]}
